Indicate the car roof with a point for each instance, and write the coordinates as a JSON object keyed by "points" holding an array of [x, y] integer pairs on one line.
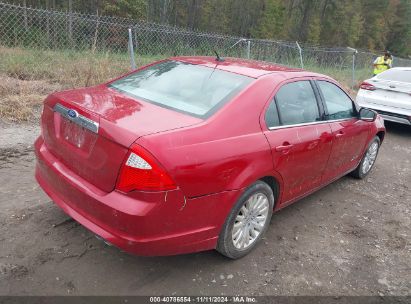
{"points": [[250, 68]]}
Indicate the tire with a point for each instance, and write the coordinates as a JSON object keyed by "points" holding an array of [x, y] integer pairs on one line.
{"points": [[363, 169], [258, 200]]}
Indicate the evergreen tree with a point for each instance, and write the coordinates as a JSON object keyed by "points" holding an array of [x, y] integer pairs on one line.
{"points": [[399, 40], [271, 23], [369, 24]]}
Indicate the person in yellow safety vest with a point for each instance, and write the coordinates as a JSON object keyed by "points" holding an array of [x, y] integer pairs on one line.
{"points": [[382, 63]]}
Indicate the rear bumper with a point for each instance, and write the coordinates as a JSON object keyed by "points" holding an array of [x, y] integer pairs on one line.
{"points": [[395, 117], [389, 113], [142, 223]]}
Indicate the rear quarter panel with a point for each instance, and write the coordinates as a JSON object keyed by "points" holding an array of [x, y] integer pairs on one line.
{"points": [[227, 151]]}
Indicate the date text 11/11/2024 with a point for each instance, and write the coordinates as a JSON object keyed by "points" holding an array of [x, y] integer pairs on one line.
{"points": [[203, 299]]}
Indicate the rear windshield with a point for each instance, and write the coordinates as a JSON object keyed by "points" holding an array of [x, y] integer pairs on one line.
{"points": [[396, 75], [193, 89]]}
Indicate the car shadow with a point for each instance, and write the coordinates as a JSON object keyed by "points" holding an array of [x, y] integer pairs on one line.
{"points": [[398, 129]]}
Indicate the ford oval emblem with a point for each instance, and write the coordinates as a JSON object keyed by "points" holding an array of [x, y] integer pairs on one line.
{"points": [[72, 113]]}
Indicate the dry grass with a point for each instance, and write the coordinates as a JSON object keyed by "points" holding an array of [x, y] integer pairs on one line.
{"points": [[70, 69], [20, 100], [28, 76]]}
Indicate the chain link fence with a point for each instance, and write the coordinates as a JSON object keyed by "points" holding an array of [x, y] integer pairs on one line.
{"points": [[74, 49]]}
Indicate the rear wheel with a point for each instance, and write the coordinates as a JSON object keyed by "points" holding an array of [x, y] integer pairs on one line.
{"points": [[368, 159], [247, 221]]}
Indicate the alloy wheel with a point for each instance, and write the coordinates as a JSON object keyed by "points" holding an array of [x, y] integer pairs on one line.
{"points": [[370, 157], [250, 221]]}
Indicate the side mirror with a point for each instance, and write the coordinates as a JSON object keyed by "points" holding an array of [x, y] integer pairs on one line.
{"points": [[367, 114]]}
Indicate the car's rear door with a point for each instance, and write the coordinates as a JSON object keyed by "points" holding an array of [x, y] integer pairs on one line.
{"points": [[349, 132], [299, 139]]}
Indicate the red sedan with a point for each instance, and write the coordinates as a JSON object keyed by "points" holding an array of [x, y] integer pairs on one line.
{"points": [[195, 153]]}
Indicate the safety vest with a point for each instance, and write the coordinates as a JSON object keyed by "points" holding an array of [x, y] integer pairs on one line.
{"points": [[381, 67]]}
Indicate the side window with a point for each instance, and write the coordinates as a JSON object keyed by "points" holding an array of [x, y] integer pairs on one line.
{"points": [[271, 116], [297, 103], [339, 105]]}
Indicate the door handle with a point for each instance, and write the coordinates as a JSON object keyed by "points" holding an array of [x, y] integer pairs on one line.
{"points": [[285, 147], [340, 134]]}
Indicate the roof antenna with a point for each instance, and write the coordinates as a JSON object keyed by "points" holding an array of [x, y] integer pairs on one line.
{"points": [[220, 59]]}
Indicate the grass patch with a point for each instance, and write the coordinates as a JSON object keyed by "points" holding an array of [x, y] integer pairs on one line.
{"points": [[344, 76], [20, 100], [27, 76]]}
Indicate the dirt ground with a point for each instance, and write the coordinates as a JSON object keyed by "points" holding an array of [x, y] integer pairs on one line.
{"points": [[351, 238]]}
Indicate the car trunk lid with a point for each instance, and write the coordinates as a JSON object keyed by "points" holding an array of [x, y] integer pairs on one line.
{"points": [[391, 93], [90, 130]]}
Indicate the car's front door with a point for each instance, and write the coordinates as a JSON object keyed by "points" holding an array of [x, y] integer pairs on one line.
{"points": [[349, 132], [300, 140]]}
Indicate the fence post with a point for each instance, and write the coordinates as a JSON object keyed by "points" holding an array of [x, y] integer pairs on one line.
{"points": [[135, 36], [301, 54], [240, 40], [94, 45], [70, 22], [248, 48], [48, 21], [354, 52], [26, 26], [131, 49]]}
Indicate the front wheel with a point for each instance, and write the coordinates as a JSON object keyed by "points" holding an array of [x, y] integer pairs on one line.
{"points": [[368, 159], [247, 221]]}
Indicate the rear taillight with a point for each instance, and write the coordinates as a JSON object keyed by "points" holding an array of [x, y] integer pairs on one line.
{"points": [[367, 86], [141, 171]]}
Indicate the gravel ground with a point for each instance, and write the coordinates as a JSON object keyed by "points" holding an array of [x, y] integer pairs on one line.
{"points": [[351, 238]]}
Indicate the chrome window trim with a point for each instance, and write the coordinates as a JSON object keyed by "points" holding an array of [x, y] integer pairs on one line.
{"points": [[80, 120], [309, 123]]}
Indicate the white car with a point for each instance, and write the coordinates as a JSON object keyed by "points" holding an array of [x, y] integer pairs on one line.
{"points": [[388, 93]]}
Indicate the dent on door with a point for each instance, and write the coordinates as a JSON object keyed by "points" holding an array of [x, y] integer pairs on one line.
{"points": [[350, 138], [302, 164]]}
